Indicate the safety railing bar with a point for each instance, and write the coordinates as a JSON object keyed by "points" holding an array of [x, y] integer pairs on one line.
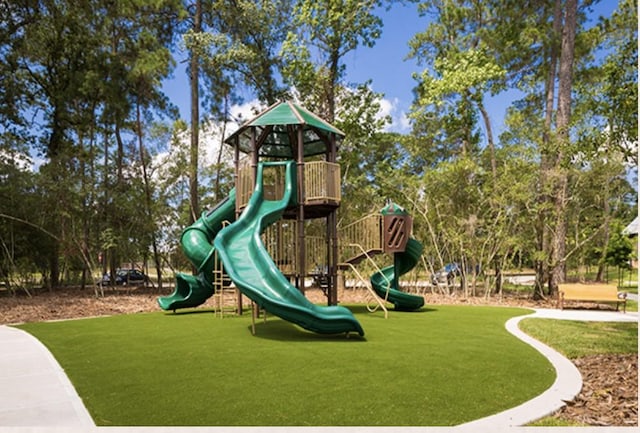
{"points": [[371, 292], [364, 252]]}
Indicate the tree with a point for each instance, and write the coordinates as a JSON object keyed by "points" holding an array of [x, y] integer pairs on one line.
{"points": [[329, 29], [461, 67], [619, 252], [251, 34], [77, 72], [194, 80]]}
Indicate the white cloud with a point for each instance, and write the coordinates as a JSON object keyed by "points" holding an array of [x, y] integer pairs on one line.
{"points": [[394, 109], [212, 135], [244, 112], [19, 160]]}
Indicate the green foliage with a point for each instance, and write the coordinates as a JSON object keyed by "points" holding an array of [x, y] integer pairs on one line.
{"points": [[85, 77], [328, 30], [457, 73], [81, 94], [619, 249]]}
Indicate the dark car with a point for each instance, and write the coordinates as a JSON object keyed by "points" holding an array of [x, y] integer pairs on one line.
{"points": [[126, 276]]}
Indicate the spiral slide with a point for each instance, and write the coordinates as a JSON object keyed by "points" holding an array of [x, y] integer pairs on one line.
{"points": [[252, 269], [385, 282], [197, 244]]}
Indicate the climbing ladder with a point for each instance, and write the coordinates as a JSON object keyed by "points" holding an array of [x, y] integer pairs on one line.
{"points": [[224, 294]]}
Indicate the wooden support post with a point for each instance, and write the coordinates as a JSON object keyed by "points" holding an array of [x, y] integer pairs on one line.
{"points": [[301, 271], [238, 198], [332, 232]]}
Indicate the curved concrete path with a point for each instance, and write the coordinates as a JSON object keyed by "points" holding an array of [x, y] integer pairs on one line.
{"points": [[568, 381], [35, 392]]}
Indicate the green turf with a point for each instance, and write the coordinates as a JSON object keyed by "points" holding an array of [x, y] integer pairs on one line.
{"points": [[577, 339], [440, 366]]}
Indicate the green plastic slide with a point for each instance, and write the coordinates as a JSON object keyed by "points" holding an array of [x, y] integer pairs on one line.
{"points": [[387, 278], [197, 244], [252, 269]]}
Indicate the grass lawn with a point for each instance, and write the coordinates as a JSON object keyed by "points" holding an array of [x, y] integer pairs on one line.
{"points": [[440, 366], [577, 339]]}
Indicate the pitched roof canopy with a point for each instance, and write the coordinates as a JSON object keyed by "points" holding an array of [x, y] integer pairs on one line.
{"points": [[632, 228], [277, 132]]}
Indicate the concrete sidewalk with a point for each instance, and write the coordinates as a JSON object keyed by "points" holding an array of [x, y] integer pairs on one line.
{"points": [[568, 381], [35, 392]]}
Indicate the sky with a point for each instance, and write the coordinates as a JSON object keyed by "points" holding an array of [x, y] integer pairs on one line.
{"points": [[386, 65]]}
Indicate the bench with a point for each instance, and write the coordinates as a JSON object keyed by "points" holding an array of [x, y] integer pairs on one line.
{"points": [[591, 293]]}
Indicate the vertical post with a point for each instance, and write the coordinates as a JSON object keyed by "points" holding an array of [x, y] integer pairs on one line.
{"points": [[332, 231], [238, 198], [254, 155], [236, 162], [327, 259], [301, 271]]}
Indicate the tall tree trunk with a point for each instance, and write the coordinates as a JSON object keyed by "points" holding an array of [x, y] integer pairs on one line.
{"points": [[606, 209], [148, 199], [565, 80], [602, 263], [490, 144], [541, 264], [119, 157], [105, 205], [194, 72], [86, 199], [221, 149], [331, 90]]}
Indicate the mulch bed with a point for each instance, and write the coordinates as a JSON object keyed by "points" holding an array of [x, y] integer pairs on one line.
{"points": [[610, 382], [609, 395]]}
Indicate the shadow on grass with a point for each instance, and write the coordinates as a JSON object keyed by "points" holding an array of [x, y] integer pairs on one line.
{"points": [[188, 312], [281, 330], [362, 309]]}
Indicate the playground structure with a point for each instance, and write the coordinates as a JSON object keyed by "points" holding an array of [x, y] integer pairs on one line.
{"points": [[288, 176]]}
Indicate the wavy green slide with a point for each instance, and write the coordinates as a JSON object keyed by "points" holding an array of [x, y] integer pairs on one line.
{"points": [[252, 269], [197, 244], [387, 278]]}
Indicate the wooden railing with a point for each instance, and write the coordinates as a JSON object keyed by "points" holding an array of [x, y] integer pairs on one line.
{"points": [[365, 232], [316, 254], [280, 241], [321, 181], [244, 185]]}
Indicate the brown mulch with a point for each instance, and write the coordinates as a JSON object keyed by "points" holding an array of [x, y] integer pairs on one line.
{"points": [[610, 382], [609, 395]]}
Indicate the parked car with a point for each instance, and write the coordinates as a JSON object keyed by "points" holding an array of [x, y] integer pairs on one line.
{"points": [[446, 274], [125, 276]]}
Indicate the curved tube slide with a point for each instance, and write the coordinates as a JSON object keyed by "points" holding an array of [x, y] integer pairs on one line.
{"points": [[197, 244], [388, 277], [252, 269]]}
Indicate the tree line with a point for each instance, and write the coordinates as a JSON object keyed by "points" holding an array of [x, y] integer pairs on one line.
{"points": [[81, 99]]}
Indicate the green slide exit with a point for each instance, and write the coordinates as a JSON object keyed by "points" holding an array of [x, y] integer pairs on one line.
{"points": [[254, 272], [388, 278], [197, 244]]}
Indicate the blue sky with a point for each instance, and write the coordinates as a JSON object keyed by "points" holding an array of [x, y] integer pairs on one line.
{"points": [[386, 65]]}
